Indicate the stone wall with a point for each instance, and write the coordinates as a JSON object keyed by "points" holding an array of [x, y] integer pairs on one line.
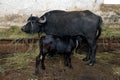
{"points": [[41, 6], [16, 12], [110, 13]]}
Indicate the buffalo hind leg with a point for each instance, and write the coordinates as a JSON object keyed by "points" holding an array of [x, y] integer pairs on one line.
{"points": [[92, 51], [93, 55], [88, 55]]}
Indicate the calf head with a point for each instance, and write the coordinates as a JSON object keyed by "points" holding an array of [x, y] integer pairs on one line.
{"points": [[49, 43]]}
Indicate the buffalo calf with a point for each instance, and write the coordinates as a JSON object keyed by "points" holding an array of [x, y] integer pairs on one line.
{"points": [[53, 44]]}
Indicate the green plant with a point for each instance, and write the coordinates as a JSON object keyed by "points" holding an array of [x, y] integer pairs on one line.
{"points": [[110, 32]]}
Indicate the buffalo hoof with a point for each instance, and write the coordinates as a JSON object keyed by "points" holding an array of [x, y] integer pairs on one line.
{"points": [[91, 63], [85, 59]]}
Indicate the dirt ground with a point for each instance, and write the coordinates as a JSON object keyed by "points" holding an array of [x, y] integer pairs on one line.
{"points": [[55, 69]]}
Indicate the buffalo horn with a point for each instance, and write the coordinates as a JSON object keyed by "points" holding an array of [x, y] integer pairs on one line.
{"points": [[42, 20]]}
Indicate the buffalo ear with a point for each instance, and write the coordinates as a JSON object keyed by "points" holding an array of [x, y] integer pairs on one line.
{"points": [[31, 15]]}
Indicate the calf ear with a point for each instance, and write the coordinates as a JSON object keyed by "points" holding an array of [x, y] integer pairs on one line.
{"points": [[42, 19]]}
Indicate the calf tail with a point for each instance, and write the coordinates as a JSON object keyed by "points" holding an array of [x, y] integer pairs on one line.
{"points": [[99, 28]]}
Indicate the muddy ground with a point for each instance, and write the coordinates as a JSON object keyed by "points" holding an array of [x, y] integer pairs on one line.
{"points": [[24, 44], [107, 67]]}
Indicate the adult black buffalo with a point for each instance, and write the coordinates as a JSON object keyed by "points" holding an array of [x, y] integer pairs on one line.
{"points": [[74, 23]]}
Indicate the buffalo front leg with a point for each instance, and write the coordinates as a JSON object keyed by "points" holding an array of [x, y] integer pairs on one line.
{"points": [[92, 51]]}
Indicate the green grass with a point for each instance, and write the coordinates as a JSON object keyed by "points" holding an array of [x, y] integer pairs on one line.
{"points": [[111, 58], [15, 32], [18, 60], [110, 32], [116, 70]]}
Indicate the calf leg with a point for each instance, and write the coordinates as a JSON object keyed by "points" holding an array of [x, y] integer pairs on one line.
{"points": [[37, 64], [67, 60], [39, 56], [42, 61]]}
